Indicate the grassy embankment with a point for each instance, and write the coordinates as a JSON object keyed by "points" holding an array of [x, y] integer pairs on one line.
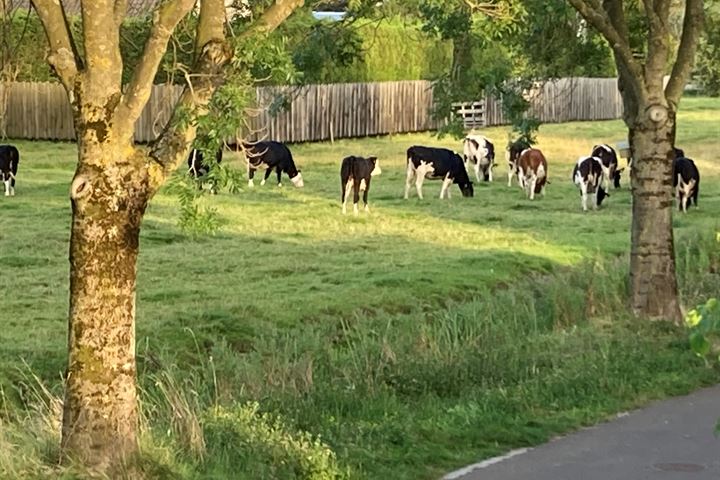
{"points": [[415, 339]]}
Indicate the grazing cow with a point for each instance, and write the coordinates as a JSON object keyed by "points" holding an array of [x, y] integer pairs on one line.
{"points": [[196, 164], [355, 175], [274, 155], [609, 162], [588, 176], [532, 172], [513, 154], [480, 153], [686, 180], [441, 163], [9, 160]]}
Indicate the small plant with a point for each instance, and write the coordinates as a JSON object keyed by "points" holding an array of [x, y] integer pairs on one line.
{"points": [[704, 324]]}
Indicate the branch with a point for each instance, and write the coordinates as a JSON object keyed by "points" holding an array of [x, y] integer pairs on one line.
{"points": [[120, 11], [169, 150], [62, 57], [657, 13], [165, 20], [101, 38], [692, 27], [272, 17], [620, 45]]}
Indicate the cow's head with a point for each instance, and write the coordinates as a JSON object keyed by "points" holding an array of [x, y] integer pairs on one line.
{"points": [[601, 195], [467, 189], [297, 180], [616, 177], [376, 166]]}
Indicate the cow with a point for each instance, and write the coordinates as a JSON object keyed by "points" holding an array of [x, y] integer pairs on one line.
{"points": [[9, 160], [480, 153], [441, 163], [609, 162], [532, 172], [274, 155], [588, 176], [355, 175], [678, 152], [512, 154], [196, 164], [686, 180]]}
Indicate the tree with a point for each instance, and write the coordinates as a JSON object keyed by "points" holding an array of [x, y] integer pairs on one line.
{"points": [[650, 110], [113, 183]]}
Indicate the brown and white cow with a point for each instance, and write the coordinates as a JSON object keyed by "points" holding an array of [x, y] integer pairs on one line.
{"points": [[532, 172]]}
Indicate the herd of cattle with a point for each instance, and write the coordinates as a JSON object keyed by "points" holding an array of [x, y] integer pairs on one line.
{"points": [[592, 174]]}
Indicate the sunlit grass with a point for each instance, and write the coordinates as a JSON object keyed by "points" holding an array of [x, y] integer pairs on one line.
{"points": [[422, 335]]}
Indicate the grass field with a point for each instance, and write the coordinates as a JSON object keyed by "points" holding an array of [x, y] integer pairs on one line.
{"points": [[422, 336]]}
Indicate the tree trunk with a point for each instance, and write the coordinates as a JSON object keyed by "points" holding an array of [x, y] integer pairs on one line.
{"points": [[109, 196], [653, 284]]}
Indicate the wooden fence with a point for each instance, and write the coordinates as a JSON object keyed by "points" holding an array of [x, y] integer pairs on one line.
{"points": [[317, 112]]}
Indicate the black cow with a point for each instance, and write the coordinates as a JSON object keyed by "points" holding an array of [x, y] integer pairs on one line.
{"points": [[196, 163], [513, 154], [437, 163], [686, 180], [355, 175], [9, 160], [274, 155], [480, 153], [588, 175], [609, 161]]}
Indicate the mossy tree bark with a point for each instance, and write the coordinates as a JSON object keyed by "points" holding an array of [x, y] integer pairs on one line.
{"points": [[650, 115], [113, 183]]}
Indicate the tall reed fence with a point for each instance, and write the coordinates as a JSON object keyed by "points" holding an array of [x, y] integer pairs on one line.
{"points": [[316, 112]]}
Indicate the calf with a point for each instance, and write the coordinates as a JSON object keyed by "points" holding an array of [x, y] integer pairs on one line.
{"points": [[609, 162], [588, 176], [441, 163], [480, 153], [532, 172], [686, 180], [274, 155], [513, 154], [9, 160], [355, 175]]}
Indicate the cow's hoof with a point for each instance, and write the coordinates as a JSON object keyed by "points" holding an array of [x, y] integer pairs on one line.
{"points": [[280, 185], [262, 183]]}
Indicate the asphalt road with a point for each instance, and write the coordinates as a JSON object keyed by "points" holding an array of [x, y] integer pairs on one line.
{"points": [[669, 440]]}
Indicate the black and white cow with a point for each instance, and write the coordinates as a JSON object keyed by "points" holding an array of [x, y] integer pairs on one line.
{"points": [[609, 161], [355, 176], [588, 176], [686, 180], [437, 163], [9, 160], [480, 153], [512, 155], [274, 155]]}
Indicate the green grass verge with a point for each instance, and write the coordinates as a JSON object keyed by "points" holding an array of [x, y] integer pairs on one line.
{"points": [[413, 340]]}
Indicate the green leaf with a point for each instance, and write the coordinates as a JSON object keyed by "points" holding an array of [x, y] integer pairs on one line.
{"points": [[699, 344]]}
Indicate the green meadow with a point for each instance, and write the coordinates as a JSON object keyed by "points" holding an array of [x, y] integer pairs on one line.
{"points": [[399, 344]]}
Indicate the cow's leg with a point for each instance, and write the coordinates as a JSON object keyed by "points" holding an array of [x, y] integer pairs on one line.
{"points": [[489, 175], [533, 182], [477, 172], [418, 184], [409, 173], [365, 196], [521, 178], [510, 174], [251, 175], [279, 175], [583, 193], [268, 172], [345, 194], [7, 187], [356, 197], [445, 187], [696, 191]]}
